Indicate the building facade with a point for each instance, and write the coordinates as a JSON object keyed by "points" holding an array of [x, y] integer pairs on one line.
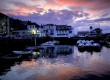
{"points": [[4, 24], [83, 34], [64, 31], [95, 32], [32, 31], [57, 30]]}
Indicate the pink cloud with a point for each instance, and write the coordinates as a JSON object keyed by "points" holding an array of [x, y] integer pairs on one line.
{"points": [[19, 7], [91, 6], [30, 6], [57, 11]]}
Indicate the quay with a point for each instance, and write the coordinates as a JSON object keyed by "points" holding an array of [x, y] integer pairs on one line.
{"points": [[10, 44]]}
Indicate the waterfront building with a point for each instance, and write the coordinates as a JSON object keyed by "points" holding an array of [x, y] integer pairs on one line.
{"points": [[95, 32], [64, 31], [4, 24], [33, 30], [83, 33], [48, 29], [92, 33], [57, 30], [22, 34]]}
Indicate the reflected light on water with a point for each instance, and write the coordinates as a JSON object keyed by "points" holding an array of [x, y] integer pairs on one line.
{"points": [[72, 66]]}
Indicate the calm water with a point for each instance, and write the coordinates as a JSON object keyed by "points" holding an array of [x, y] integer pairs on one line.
{"points": [[63, 62]]}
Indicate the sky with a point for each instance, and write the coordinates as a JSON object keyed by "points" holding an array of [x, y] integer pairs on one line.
{"points": [[80, 14]]}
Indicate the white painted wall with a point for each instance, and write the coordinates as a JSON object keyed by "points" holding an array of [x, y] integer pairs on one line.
{"points": [[58, 33]]}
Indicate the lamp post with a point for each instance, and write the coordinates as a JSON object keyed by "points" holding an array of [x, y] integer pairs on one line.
{"points": [[34, 33]]}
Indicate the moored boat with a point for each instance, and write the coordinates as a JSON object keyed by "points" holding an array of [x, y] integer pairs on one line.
{"points": [[50, 43], [25, 51], [88, 45], [10, 57]]}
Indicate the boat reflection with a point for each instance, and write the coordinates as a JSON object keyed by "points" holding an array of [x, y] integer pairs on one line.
{"points": [[90, 49], [61, 62], [48, 52], [53, 51], [71, 66]]}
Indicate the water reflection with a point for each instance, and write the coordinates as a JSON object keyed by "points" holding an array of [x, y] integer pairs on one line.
{"points": [[90, 49], [54, 51], [62, 62]]}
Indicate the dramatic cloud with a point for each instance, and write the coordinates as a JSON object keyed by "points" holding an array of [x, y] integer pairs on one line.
{"points": [[53, 16], [78, 13]]}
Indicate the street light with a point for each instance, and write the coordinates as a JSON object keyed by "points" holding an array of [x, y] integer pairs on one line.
{"points": [[34, 33]]}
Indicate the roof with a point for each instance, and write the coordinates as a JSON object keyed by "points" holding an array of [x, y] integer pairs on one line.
{"points": [[63, 27], [32, 23], [49, 25], [20, 31], [97, 29], [83, 32]]}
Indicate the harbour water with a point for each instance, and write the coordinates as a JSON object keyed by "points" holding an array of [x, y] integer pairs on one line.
{"points": [[61, 62]]}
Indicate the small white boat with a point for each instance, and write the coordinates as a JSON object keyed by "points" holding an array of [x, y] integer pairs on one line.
{"points": [[96, 45], [50, 43], [83, 41], [32, 48], [26, 51], [81, 45], [88, 44], [91, 41], [79, 41]]}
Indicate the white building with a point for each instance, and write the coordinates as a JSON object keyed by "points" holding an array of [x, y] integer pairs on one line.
{"points": [[48, 30], [32, 31], [58, 30], [95, 32], [51, 30], [64, 31], [83, 34]]}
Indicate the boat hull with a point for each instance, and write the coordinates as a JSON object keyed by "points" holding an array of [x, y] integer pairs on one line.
{"points": [[22, 52]]}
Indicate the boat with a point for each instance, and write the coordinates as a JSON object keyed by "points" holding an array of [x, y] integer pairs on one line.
{"points": [[88, 45], [25, 51], [31, 47], [50, 43], [96, 45], [10, 57], [78, 42], [81, 45]]}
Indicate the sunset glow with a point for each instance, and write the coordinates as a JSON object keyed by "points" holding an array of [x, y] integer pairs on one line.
{"points": [[76, 13]]}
